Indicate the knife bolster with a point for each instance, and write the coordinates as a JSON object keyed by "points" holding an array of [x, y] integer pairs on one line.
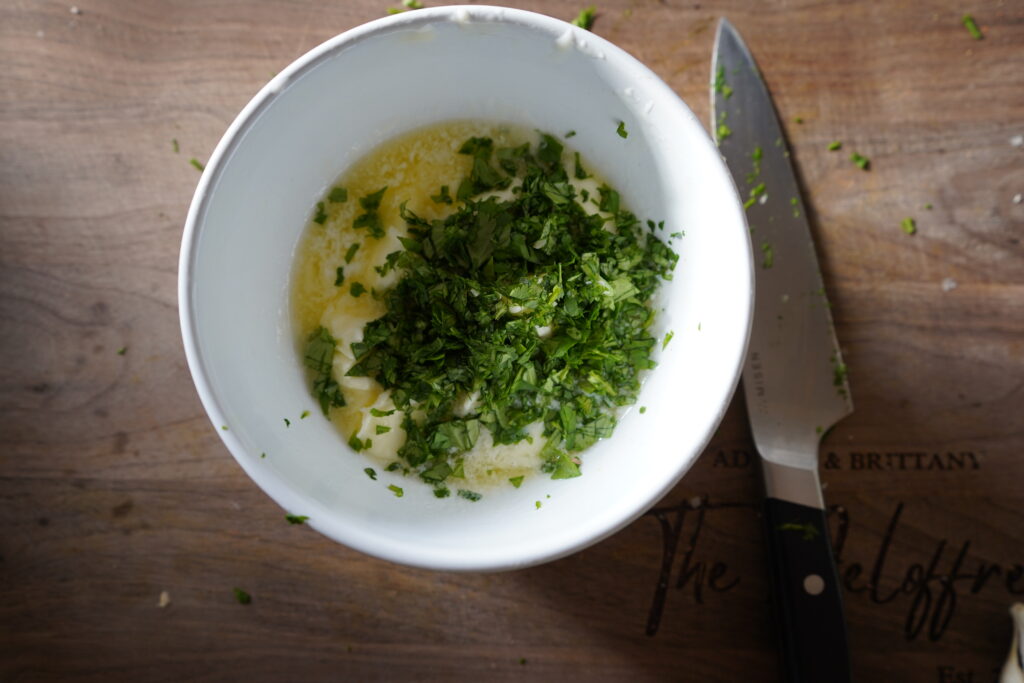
{"points": [[792, 484]]}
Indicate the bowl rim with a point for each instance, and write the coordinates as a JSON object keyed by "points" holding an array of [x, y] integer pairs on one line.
{"points": [[269, 482]]}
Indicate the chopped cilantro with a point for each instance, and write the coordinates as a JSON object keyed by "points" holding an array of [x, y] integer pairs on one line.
{"points": [[397, 490], [621, 130], [768, 256], [798, 120], [862, 162], [242, 597], [338, 195], [441, 492], [296, 519], [304, 415], [319, 357], [723, 131], [668, 338], [381, 413], [476, 285], [224, 427], [371, 473], [321, 215], [834, 145], [757, 190], [358, 444], [570, 134], [351, 252], [382, 429], [470, 495], [413, 4], [174, 145], [263, 455], [928, 206], [339, 276], [537, 504], [908, 226], [123, 350], [357, 289], [972, 27], [585, 19], [198, 165], [516, 481], [643, 409], [287, 422]]}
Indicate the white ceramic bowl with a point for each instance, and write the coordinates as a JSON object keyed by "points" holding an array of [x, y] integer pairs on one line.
{"points": [[335, 104]]}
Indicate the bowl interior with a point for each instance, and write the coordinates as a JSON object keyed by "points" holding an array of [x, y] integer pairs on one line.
{"points": [[334, 105]]}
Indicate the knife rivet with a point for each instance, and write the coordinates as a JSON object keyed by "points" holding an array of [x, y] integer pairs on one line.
{"points": [[814, 584]]}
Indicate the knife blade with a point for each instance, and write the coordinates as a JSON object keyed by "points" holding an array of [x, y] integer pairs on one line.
{"points": [[794, 379]]}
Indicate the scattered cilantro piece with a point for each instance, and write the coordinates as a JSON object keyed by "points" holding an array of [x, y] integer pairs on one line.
{"points": [[441, 492], [370, 219], [839, 374], [224, 427], [351, 252], [768, 256], [381, 413], [443, 196], [319, 357], [413, 4], [263, 455], [749, 203], [757, 190], [798, 119], [304, 415], [242, 597], [472, 496], [621, 130], [516, 481], [382, 429], [834, 145], [537, 504], [570, 134], [174, 145], [339, 276], [338, 195], [719, 84], [123, 350], [321, 215], [287, 422], [198, 165], [727, 91], [908, 225], [723, 131], [357, 289], [862, 162], [668, 338], [928, 206], [643, 409], [397, 490], [371, 473], [296, 519], [972, 27], [356, 443], [585, 19]]}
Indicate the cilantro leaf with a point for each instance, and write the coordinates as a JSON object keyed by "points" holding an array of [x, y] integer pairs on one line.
{"points": [[319, 357]]}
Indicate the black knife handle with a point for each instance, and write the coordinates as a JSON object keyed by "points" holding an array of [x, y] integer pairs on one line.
{"points": [[806, 593]]}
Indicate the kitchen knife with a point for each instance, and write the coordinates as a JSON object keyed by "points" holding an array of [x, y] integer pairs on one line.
{"points": [[794, 379]]}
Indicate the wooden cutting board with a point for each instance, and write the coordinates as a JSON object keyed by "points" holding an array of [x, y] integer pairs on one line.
{"points": [[114, 487]]}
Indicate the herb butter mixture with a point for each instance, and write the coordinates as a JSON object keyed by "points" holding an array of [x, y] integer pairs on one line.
{"points": [[475, 305]]}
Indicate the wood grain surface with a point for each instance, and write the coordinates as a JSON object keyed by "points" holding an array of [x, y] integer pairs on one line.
{"points": [[114, 486]]}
